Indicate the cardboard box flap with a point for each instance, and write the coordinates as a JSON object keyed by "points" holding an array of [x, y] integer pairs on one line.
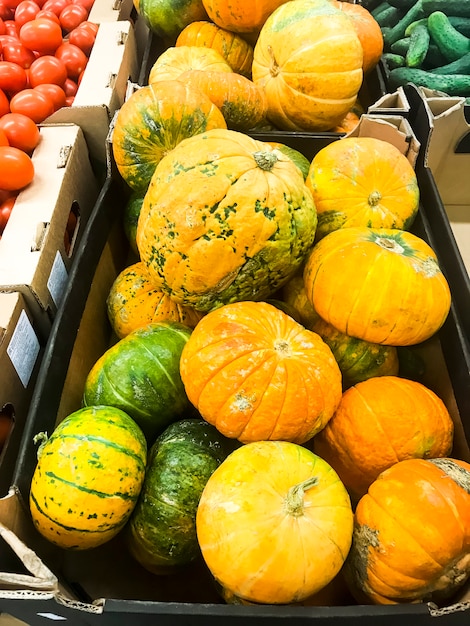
{"points": [[396, 101]]}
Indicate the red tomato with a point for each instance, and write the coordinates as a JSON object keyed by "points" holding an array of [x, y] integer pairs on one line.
{"points": [[11, 28], [25, 12], [47, 69], [20, 131], [69, 101], [70, 87], [4, 103], [83, 37], [47, 15], [6, 208], [33, 104], [74, 59], [55, 6], [12, 77], [16, 168], [88, 4], [41, 35], [11, 4], [3, 139], [15, 52], [3, 30], [5, 12], [55, 93], [72, 16]]}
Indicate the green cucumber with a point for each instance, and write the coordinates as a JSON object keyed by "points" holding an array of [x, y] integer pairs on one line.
{"points": [[388, 16], [401, 46], [462, 24], [419, 45], [404, 5], [409, 29], [434, 57], [451, 84], [381, 6], [461, 66], [392, 60], [450, 42], [398, 31], [459, 8]]}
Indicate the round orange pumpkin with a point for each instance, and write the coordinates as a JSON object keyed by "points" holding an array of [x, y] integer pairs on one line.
{"points": [[236, 51], [379, 422], [362, 181], [381, 285], [308, 59], [274, 523], [240, 16], [255, 373], [170, 64], [411, 539], [134, 301]]}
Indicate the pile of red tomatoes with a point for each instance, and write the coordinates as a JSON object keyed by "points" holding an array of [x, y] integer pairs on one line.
{"points": [[44, 49]]}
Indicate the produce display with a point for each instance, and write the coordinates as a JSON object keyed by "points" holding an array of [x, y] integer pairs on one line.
{"points": [[261, 410]]}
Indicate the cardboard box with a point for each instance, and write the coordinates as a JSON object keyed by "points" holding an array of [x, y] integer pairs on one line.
{"points": [[20, 357], [113, 61], [106, 586], [111, 11], [35, 257]]}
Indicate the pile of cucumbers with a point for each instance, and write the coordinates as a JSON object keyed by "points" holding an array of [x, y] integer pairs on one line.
{"points": [[426, 42]]}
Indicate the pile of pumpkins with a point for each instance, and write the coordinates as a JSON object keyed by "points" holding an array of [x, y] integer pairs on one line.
{"points": [[261, 407]]}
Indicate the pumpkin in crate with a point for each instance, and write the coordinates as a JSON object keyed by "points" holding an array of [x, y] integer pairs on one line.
{"points": [[167, 18], [362, 181], [241, 101], [381, 285], [140, 375], [236, 51], [379, 422], [152, 121], [308, 59], [171, 63], [239, 16], [131, 217], [255, 373], [88, 477], [274, 523], [162, 530], [133, 302], [412, 533], [225, 218], [299, 159]]}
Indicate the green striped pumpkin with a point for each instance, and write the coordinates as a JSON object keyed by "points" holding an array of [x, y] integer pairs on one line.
{"points": [[88, 477]]}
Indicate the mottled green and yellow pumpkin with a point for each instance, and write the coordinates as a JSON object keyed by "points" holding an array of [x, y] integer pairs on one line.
{"points": [[294, 295], [363, 181], [308, 59], [241, 101], [274, 523], [379, 422], [152, 121], [140, 375], [161, 533], [299, 159], [412, 533], [88, 477], [167, 18], [381, 285], [256, 374], [236, 51], [133, 302], [240, 16], [225, 218], [171, 63]]}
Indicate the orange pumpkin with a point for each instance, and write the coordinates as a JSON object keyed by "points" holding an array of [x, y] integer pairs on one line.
{"points": [[236, 51], [411, 539], [134, 301], [170, 64], [255, 373], [241, 101], [381, 285], [362, 181], [308, 59], [348, 123], [274, 523], [293, 294], [239, 16], [379, 422]]}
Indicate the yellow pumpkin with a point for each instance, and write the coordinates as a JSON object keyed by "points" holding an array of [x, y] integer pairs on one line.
{"points": [[170, 64]]}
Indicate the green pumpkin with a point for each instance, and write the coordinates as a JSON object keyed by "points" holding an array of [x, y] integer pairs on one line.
{"points": [[140, 375], [131, 218], [167, 18], [162, 529]]}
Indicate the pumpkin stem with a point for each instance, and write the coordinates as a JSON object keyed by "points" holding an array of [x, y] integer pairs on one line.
{"points": [[295, 496], [390, 244], [40, 438], [374, 198], [274, 69], [265, 160]]}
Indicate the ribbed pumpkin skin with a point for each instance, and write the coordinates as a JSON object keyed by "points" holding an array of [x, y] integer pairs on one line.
{"points": [[216, 227], [299, 159], [379, 422], [140, 375], [236, 51], [256, 374], [240, 16], [294, 295], [167, 18], [363, 181], [381, 285], [175, 60], [241, 101], [308, 58], [412, 533], [89, 475], [162, 530], [257, 542], [153, 120], [133, 302]]}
